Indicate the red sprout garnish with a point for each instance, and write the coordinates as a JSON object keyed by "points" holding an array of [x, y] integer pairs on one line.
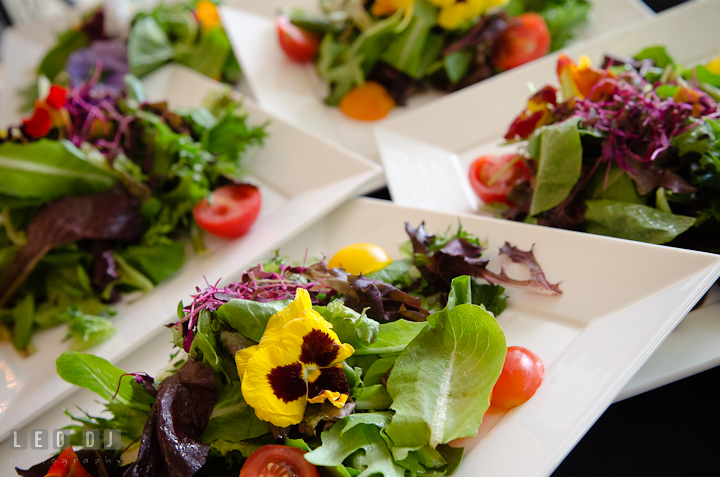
{"points": [[637, 123], [255, 284]]}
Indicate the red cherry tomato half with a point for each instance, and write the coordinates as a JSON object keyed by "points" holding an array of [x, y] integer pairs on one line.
{"points": [[298, 44], [493, 177], [525, 39], [278, 461], [231, 210], [522, 374]]}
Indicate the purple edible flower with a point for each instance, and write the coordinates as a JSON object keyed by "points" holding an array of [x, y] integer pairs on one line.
{"points": [[111, 54]]}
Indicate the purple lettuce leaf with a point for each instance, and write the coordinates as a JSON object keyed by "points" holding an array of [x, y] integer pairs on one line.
{"points": [[383, 301], [170, 444], [110, 215], [460, 257], [537, 281]]}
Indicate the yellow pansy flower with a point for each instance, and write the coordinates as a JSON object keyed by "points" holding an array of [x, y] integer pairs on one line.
{"points": [[297, 361], [207, 14]]}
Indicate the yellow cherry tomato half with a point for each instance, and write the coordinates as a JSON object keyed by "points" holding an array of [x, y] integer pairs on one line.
{"points": [[360, 258]]}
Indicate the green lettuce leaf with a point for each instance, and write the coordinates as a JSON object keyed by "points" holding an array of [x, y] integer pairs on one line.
{"points": [[559, 152], [350, 326], [86, 331], [407, 51], [373, 397], [148, 47], [354, 433], [250, 317], [48, 170], [441, 382], [209, 55], [620, 186], [634, 221], [232, 418], [157, 262], [392, 338]]}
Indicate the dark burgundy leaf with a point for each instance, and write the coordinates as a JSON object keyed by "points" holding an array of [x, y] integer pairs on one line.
{"points": [[110, 215], [169, 445], [648, 178], [399, 85], [98, 464], [488, 28], [378, 296]]}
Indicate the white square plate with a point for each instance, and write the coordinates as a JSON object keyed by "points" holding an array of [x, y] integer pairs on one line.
{"points": [[301, 178], [620, 300], [294, 92], [427, 154]]}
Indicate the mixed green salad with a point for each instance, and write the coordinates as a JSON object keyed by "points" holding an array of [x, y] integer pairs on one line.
{"points": [[375, 54], [96, 188], [355, 374], [629, 150], [186, 32]]}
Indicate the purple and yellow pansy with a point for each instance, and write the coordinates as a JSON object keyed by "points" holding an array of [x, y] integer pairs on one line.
{"points": [[297, 361]]}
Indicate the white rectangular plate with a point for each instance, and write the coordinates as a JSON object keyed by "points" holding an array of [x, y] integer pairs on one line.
{"points": [[427, 154], [620, 300], [294, 92], [301, 178]]}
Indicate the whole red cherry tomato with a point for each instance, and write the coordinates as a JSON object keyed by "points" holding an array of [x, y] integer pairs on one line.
{"points": [[231, 210], [526, 38], [522, 374], [494, 177], [298, 44]]}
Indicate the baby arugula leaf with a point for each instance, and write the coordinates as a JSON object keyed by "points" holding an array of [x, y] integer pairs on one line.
{"points": [[441, 383], [103, 378]]}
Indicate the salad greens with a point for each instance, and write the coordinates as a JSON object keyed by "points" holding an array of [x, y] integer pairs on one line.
{"points": [[410, 45], [187, 32], [631, 151], [410, 385], [96, 189]]}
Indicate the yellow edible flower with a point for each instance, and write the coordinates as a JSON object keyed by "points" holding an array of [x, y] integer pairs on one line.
{"points": [[714, 65], [297, 361], [455, 13], [207, 14]]}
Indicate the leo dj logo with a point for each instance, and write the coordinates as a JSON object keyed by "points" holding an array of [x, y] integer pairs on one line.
{"points": [[58, 439]]}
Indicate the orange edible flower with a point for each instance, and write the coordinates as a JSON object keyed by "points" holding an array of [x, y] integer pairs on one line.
{"points": [[367, 102], [582, 80], [207, 14], [67, 465], [685, 94]]}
